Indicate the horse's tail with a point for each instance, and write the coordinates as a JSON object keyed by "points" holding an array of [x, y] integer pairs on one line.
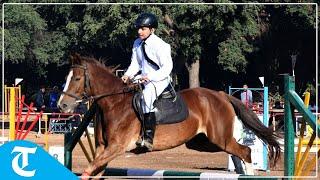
{"points": [[251, 121]]}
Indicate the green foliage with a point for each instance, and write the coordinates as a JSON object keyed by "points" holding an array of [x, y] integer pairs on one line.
{"points": [[227, 35], [28, 39], [110, 26], [302, 16], [16, 41], [22, 27], [290, 30], [230, 56], [51, 48], [191, 21], [241, 30], [107, 25]]}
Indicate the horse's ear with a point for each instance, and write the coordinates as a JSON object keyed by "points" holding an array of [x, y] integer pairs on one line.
{"points": [[75, 58], [113, 69]]}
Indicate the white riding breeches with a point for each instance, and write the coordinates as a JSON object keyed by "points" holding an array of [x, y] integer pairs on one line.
{"points": [[151, 91]]}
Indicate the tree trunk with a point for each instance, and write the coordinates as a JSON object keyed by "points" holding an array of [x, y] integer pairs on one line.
{"points": [[193, 70]]}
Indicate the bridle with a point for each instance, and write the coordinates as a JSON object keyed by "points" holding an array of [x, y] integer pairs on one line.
{"points": [[87, 88]]}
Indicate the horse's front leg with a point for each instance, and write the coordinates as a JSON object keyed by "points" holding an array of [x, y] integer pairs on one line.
{"points": [[99, 150], [100, 143], [99, 140], [99, 163]]}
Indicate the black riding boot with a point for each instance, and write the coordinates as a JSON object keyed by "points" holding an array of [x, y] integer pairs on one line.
{"points": [[150, 126]]}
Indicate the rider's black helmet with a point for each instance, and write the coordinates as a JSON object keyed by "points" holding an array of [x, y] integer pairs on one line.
{"points": [[146, 20]]}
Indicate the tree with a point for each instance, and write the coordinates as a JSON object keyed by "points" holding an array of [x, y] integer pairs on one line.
{"points": [[203, 28], [289, 29], [242, 29], [189, 28], [215, 44], [27, 40]]}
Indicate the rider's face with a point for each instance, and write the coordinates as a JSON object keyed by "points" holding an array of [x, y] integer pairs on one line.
{"points": [[144, 32]]}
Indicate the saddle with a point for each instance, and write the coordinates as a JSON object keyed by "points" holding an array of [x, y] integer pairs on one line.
{"points": [[169, 107]]}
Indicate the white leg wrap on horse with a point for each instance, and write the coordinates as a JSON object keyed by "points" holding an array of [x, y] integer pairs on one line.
{"points": [[237, 129], [237, 134], [248, 168]]}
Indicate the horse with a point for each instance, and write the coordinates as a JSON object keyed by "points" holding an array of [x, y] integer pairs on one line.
{"points": [[211, 114]]}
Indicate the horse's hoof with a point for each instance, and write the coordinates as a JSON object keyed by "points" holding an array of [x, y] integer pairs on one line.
{"points": [[139, 142], [144, 145], [148, 145], [85, 176]]}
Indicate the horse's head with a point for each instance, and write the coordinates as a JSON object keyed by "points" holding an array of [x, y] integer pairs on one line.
{"points": [[77, 85]]}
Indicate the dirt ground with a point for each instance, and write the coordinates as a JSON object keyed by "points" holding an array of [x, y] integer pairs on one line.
{"points": [[177, 159]]}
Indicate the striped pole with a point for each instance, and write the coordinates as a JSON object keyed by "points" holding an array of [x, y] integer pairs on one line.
{"points": [[162, 174]]}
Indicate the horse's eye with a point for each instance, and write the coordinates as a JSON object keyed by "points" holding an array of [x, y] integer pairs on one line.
{"points": [[77, 78]]}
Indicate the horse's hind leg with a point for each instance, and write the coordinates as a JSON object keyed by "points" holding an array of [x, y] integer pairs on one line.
{"points": [[229, 144], [241, 151]]}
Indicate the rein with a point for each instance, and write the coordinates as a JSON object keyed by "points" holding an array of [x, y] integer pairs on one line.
{"points": [[98, 97], [85, 98]]}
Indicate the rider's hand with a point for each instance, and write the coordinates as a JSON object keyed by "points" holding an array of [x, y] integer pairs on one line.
{"points": [[125, 78], [144, 79]]}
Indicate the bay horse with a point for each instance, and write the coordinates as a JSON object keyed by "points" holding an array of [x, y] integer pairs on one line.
{"points": [[211, 113]]}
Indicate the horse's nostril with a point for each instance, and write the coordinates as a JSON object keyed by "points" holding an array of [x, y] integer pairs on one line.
{"points": [[64, 106]]}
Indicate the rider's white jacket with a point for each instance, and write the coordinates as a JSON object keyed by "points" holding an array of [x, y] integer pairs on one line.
{"points": [[160, 53]]}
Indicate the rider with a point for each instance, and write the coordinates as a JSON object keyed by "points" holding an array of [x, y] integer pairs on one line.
{"points": [[152, 56]]}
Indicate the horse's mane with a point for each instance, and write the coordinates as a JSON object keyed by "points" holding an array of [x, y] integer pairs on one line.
{"points": [[100, 63], [99, 71]]}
